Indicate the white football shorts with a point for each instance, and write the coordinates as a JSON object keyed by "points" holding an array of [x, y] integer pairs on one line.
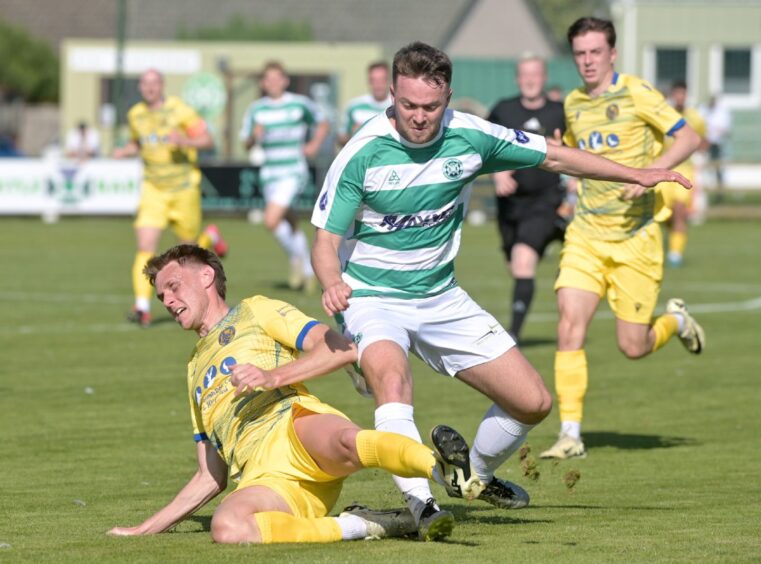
{"points": [[282, 191], [450, 332]]}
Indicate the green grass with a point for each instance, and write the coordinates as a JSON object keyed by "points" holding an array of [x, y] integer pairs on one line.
{"points": [[673, 467]]}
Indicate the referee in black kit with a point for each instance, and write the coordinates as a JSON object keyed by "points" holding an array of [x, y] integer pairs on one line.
{"points": [[528, 199]]}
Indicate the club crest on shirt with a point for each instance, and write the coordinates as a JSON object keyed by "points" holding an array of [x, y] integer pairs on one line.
{"points": [[227, 335], [612, 111], [453, 169]]}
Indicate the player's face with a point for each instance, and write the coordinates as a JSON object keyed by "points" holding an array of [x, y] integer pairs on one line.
{"points": [[151, 87], [531, 77], [594, 58], [274, 83], [679, 97], [182, 290], [419, 107], [378, 81]]}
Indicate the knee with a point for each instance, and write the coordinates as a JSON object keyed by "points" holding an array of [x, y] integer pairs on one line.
{"points": [[270, 223], [571, 333], [225, 529], [539, 408], [390, 386], [632, 349]]}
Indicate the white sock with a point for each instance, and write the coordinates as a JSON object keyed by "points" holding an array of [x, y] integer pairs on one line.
{"points": [[284, 235], [680, 321], [498, 436], [398, 418], [143, 304], [571, 428], [352, 527], [301, 249]]}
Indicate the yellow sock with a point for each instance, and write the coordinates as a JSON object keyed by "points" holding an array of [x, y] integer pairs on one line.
{"points": [[140, 284], [571, 383], [204, 241], [664, 328], [276, 526], [396, 453], [677, 242]]}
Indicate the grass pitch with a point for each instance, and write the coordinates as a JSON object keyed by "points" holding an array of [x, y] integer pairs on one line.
{"points": [[96, 430]]}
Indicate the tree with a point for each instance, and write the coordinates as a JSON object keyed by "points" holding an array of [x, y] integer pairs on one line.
{"points": [[238, 29], [560, 14], [30, 67]]}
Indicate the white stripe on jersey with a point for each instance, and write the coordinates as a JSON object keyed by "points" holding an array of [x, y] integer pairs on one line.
{"points": [[399, 177]]}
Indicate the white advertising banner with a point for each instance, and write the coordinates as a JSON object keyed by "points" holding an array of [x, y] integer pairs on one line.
{"points": [[95, 187]]}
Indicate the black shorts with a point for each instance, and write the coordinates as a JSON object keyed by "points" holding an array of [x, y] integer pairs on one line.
{"points": [[537, 229]]}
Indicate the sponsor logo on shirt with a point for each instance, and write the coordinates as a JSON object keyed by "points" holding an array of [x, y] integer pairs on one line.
{"points": [[453, 169], [521, 137], [198, 395], [397, 223], [393, 179], [581, 144], [225, 365], [613, 141], [595, 140], [211, 373], [324, 200]]}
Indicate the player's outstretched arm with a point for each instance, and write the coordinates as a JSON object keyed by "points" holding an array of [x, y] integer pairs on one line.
{"points": [[207, 483], [575, 162], [327, 268], [324, 351]]}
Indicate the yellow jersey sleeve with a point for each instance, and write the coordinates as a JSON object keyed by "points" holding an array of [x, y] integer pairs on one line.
{"points": [[652, 108], [194, 397], [280, 320], [695, 121]]}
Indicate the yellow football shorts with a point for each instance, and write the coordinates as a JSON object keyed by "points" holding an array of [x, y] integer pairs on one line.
{"points": [[281, 463], [629, 271], [180, 209]]}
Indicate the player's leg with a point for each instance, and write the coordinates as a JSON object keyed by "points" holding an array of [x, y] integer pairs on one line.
{"points": [[458, 338], [521, 401], [386, 369], [678, 233], [152, 218], [523, 263], [303, 264]]}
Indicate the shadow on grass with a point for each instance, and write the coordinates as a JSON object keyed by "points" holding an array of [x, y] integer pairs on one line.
{"points": [[624, 441], [475, 514], [203, 520]]}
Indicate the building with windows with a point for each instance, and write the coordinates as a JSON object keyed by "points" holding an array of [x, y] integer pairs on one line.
{"points": [[714, 45]]}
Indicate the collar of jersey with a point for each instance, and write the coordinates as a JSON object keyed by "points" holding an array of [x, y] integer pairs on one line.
{"points": [[396, 135]]}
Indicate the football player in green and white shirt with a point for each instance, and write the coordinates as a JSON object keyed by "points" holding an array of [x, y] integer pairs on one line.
{"points": [[362, 108], [279, 122], [389, 220]]}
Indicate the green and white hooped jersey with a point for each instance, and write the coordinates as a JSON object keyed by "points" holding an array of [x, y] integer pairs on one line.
{"points": [[400, 205], [286, 122], [362, 109]]}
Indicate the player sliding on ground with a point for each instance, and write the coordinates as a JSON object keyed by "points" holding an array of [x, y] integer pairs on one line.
{"points": [[289, 452]]}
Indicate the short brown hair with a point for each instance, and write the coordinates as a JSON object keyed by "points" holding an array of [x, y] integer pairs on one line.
{"points": [[183, 254], [377, 65], [585, 25], [274, 65], [420, 60]]}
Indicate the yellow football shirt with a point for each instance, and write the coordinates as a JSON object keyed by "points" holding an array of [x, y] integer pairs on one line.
{"points": [[696, 122], [260, 331], [166, 166], [626, 124]]}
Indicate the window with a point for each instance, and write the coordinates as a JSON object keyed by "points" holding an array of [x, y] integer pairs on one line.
{"points": [[670, 65], [737, 71]]}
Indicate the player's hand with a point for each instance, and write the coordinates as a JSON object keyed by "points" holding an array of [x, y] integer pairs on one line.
{"points": [[504, 184], [125, 532], [177, 138], [311, 149], [120, 153], [335, 298], [249, 378], [556, 139]]}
